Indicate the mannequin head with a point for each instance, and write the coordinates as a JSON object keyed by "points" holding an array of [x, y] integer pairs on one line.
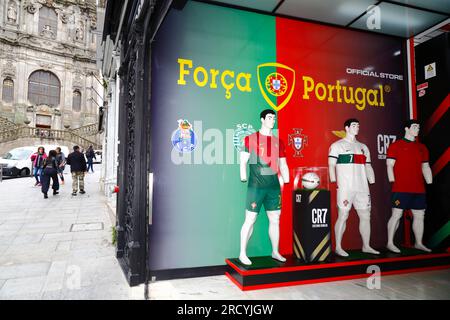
{"points": [[412, 128], [268, 117], [351, 127]]}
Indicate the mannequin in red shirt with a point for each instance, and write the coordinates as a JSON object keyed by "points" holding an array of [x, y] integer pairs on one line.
{"points": [[407, 167]]}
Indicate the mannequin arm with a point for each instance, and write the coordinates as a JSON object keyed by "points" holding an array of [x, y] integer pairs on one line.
{"points": [[427, 174], [332, 168], [369, 173], [284, 170], [244, 157], [390, 169]]}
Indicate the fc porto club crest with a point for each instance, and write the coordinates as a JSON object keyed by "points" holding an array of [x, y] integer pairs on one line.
{"points": [[184, 139], [242, 130], [298, 141], [276, 82]]}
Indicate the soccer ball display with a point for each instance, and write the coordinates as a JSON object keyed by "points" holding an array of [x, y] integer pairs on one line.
{"points": [[310, 181]]}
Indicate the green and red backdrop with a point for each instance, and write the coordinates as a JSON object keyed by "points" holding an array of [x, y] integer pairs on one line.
{"points": [[199, 207]]}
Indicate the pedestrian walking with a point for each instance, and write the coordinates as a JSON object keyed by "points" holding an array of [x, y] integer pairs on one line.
{"points": [[90, 156], [38, 163], [61, 161], [50, 171], [77, 164]]}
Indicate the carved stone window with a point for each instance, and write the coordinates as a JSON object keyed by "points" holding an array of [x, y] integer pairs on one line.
{"points": [[44, 88], [8, 90], [48, 22], [76, 101]]}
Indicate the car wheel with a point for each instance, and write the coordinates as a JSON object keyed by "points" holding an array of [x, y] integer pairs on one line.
{"points": [[25, 172]]}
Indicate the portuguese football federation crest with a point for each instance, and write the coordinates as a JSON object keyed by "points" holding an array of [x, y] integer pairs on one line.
{"points": [[184, 139], [276, 82], [298, 141]]}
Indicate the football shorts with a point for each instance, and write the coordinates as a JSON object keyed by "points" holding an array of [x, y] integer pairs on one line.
{"points": [[407, 200], [269, 197], [347, 198]]}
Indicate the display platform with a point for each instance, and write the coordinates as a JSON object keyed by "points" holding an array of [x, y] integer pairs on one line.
{"points": [[266, 272]]}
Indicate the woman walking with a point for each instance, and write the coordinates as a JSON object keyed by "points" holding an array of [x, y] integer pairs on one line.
{"points": [[50, 171], [90, 156], [61, 161], [38, 162]]}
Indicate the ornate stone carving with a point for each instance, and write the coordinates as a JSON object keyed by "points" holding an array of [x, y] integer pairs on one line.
{"points": [[31, 8], [48, 3], [79, 33], [47, 32], [93, 18], [12, 12], [46, 65], [64, 18], [44, 109], [77, 80], [9, 69]]}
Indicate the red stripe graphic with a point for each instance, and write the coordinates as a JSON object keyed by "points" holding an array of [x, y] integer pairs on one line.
{"points": [[413, 78], [331, 265], [340, 278], [437, 114], [441, 162], [359, 158]]}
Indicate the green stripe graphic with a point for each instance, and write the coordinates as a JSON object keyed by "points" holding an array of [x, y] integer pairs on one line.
{"points": [[346, 158], [440, 236]]}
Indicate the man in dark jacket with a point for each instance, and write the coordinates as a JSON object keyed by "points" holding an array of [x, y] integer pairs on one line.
{"points": [[78, 168]]}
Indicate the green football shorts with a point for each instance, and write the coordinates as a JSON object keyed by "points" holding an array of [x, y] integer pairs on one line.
{"points": [[270, 197]]}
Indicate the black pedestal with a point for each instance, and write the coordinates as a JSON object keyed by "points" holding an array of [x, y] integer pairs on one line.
{"points": [[312, 223]]}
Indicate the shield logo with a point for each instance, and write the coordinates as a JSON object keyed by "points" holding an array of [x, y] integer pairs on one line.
{"points": [[276, 82], [298, 141]]}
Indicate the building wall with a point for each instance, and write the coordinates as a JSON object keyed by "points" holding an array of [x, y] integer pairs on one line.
{"points": [[70, 55], [432, 111]]}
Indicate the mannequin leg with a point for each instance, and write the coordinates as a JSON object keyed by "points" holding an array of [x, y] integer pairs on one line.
{"points": [[339, 229], [246, 232], [274, 233], [392, 226], [364, 230], [418, 226]]}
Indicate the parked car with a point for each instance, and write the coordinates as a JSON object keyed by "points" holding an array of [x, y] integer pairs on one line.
{"points": [[17, 162]]}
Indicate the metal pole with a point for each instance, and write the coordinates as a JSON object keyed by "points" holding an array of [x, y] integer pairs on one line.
{"points": [[92, 87]]}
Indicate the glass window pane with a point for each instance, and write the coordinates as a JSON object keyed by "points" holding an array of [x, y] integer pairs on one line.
{"points": [[44, 88], [8, 90], [76, 102]]}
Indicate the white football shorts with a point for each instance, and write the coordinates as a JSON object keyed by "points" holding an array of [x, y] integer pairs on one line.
{"points": [[347, 198]]}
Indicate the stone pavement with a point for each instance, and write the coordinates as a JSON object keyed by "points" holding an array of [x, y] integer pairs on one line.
{"points": [[44, 252]]}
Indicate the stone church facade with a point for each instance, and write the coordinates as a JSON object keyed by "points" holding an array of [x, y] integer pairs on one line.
{"points": [[48, 74]]}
